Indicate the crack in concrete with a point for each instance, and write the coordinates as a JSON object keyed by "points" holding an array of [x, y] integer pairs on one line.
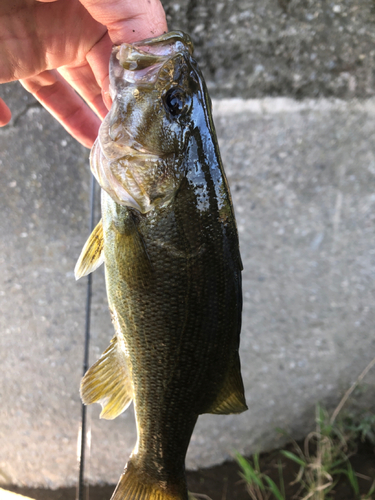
{"points": [[14, 122]]}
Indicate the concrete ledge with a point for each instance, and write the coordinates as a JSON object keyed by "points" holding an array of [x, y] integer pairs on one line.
{"points": [[274, 105]]}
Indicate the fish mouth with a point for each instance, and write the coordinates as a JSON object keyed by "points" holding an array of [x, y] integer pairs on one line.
{"points": [[123, 167], [140, 63]]}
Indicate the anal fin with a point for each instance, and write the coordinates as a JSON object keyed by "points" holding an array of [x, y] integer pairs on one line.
{"points": [[231, 398], [108, 381], [92, 254]]}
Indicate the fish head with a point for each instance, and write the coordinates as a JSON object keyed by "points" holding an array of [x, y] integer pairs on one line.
{"points": [[156, 91]]}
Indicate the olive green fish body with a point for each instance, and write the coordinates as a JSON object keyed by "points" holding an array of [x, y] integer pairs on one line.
{"points": [[173, 272]]}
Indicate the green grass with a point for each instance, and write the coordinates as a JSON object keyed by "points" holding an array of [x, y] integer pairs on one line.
{"points": [[322, 459], [259, 485]]}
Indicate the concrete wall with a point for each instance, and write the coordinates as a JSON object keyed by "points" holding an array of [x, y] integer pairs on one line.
{"points": [[299, 48], [302, 175]]}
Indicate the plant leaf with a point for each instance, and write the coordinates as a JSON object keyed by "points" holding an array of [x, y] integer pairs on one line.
{"points": [[292, 456], [273, 488]]}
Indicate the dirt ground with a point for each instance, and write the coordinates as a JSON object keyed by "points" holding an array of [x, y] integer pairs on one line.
{"points": [[223, 482]]}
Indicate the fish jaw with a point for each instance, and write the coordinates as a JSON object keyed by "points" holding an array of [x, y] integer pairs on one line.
{"points": [[141, 61]]}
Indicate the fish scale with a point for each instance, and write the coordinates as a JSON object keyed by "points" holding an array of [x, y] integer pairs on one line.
{"points": [[169, 242]]}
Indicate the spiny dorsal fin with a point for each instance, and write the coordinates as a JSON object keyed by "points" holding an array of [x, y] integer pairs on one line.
{"points": [[108, 381], [231, 398], [92, 255]]}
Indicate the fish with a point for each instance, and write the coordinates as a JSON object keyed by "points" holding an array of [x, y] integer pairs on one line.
{"points": [[169, 243]]}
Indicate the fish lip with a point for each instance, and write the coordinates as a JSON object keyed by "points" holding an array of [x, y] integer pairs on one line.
{"points": [[131, 75], [170, 38], [140, 62]]}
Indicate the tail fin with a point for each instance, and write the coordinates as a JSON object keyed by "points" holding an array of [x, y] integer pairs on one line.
{"points": [[135, 485]]}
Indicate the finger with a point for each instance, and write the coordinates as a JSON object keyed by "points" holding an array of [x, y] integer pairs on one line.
{"points": [[98, 59], [129, 21], [5, 114], [83, 80], [58, 97]]}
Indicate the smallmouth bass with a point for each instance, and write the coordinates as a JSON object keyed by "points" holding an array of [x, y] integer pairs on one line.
{"points": [[169, 242]]}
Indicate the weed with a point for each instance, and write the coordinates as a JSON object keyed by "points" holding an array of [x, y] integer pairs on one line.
{"points": [[323, 457], [332, 445], [259, 485], [198, 496], [361, 426]]}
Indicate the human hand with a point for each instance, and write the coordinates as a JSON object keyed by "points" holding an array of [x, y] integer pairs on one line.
{"points": [[57, 47]]}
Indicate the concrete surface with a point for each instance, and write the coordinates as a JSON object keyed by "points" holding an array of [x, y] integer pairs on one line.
{"points": [[303, 183], [309, 48]]}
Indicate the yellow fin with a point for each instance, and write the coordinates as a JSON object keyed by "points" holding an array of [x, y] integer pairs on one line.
{"points": [[136, 485], [231, 398], [129, 241], [92, 255], [108, 381]]}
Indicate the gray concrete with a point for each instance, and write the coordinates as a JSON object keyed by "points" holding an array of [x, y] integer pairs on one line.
{"points": [[303, 183], [255, 48]]}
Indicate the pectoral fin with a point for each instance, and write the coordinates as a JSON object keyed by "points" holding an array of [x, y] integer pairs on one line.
{"points": [[108, 381], [231, 398], [129, 242], [92, 255]]}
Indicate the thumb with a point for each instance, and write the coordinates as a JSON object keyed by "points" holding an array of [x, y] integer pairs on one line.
{"points": [[128, 21]]}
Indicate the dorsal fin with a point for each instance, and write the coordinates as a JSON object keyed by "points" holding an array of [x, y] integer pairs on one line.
{"points": [[92, 255], [108, 381], [231, 398]]}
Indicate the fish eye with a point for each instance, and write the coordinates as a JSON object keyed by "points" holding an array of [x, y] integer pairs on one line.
{"points": [[176, 101]]}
